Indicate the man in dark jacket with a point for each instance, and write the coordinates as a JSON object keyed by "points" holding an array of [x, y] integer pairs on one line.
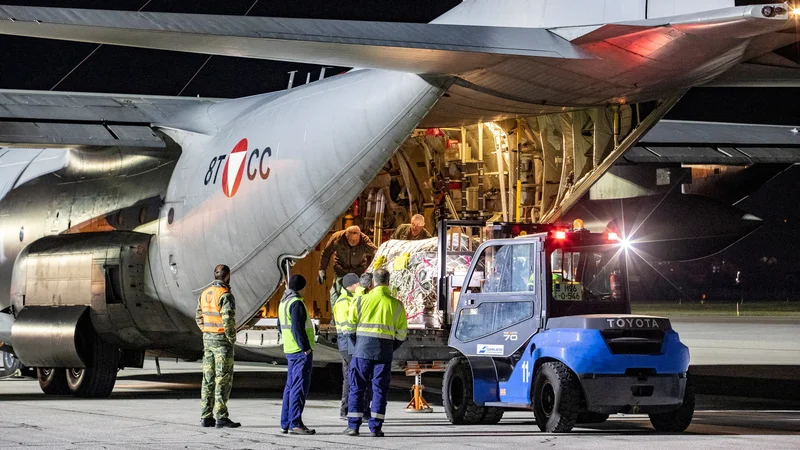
{"points": [[297, 334], [413, 231], [352, 252]]}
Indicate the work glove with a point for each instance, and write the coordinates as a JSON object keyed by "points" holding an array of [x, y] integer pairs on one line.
{"points": [[321, 277]]}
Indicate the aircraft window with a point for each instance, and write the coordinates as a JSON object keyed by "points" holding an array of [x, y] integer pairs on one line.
{"points": [[491, 317], [171, 216], [21, 234], [142, 215]]}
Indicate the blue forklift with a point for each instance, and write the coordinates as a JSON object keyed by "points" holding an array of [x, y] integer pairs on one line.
{"points": [[542, 322]]}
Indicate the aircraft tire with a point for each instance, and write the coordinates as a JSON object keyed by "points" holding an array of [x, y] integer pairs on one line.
{"points": [[98, 380], [557, 397], [11, 364], [459, 405], [678, 420], [52, 381]]}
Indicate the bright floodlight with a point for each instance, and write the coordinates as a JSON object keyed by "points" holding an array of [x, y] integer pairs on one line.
{"points": [[626, 244], [796, 11]]}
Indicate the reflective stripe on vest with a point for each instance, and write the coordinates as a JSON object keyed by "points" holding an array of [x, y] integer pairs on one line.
{"points": [[212, 318], [374, 310], [290, 345], [341, 310]]}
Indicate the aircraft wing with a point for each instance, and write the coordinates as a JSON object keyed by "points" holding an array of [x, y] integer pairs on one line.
{"points": [[689, 142], [32, 118], [759, 75], [408, 47], [37, 129]]}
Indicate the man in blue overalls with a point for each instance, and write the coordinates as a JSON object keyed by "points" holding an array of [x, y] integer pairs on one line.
{"points": [[380, 327], [297, 333]]}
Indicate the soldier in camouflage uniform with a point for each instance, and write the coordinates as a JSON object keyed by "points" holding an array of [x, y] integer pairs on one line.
{"points": [[216, 311]]}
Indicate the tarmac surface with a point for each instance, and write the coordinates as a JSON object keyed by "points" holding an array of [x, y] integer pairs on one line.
{"points": [[150, 411], [741, 340]]}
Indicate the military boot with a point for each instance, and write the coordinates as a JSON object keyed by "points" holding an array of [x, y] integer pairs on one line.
{"points": [[206, 422], [227, 423]]}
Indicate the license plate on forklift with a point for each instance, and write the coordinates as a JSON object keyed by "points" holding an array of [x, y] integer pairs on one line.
{"points": [[568, 292]]}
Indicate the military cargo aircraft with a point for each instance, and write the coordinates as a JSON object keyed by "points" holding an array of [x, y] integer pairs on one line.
{"points": [[114, 209]]}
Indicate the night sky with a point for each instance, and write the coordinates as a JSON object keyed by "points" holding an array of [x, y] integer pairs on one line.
{"points": [[40, 64]]}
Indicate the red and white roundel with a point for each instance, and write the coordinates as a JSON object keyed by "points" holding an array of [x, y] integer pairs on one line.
{"points": [[234, 169]]}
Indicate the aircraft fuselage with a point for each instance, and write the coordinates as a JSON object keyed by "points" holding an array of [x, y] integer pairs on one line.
{"points": [[267, 184]]}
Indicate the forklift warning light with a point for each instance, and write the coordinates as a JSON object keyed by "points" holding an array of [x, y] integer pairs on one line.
{"points": [[613, 236], [561, 234]]}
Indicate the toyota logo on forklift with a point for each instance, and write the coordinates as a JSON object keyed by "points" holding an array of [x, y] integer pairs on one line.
{"points": [[256, 164]]}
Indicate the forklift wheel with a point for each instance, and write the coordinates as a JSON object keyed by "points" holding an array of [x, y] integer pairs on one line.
{"points": [[678, 420], [557, 397], [457, 394]]}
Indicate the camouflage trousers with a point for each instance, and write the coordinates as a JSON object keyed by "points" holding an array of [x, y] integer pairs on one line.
{"points": [[217, 376]]}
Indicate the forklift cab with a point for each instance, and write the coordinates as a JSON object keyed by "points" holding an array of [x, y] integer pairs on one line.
{"points": [[513, 286]]}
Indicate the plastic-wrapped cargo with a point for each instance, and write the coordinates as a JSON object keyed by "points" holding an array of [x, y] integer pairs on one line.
{"points": [[414, 269]]}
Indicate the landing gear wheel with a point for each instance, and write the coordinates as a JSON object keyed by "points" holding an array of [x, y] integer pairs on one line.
{"points": [[678, 420], [97, 380], [457, 394], [52, 381], [591, 417], [557, 397], [11, 364]]}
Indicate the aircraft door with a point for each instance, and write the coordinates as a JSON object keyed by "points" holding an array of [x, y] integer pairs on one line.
{"points": [[500, 306], [169, 239]]}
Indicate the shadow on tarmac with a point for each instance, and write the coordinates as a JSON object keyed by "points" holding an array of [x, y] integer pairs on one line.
{"points": [[718, 415]]}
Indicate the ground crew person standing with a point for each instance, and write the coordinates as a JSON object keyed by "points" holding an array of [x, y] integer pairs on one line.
{"points": [[297, 334], [380, 328], [341, 316], [352, 252], [216, 311], [413, 231], [364, 284]]}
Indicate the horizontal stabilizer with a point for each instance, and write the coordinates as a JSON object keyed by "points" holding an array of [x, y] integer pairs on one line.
{"points": [[408, 47], [758, 75], [687, 142]]}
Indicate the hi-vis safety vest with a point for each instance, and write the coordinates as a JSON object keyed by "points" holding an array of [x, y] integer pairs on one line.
{"points": [[210, 305], [341, 310], [378, 315], [290, 345]]}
